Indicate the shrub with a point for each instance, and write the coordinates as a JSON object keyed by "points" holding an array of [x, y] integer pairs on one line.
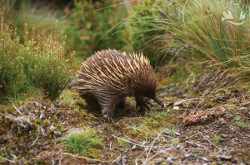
{"points": [[146, 31], [33, 64], [95, 26]]}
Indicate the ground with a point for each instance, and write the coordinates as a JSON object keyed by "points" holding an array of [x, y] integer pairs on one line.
{"points": [[206, 121]]}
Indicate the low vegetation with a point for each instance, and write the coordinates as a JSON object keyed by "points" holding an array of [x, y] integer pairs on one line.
{"points": [[32, 65], [202, 64]]}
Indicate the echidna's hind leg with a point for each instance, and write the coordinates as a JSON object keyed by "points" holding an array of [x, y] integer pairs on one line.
{"points": [[92, 102], [107, 111]]}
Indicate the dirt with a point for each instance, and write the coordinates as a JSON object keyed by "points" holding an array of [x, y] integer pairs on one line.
{"points": [[202, 124]]}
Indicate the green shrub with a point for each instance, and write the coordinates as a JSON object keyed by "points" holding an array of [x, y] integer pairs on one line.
{"points": [[146, 32], [95, 26], [33, 64], [83, 143]]}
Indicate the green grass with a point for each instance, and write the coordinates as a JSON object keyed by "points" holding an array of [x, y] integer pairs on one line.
{"points": [[239, 122], [123, 143], [83, 143], [216, 138], [192, 30]]}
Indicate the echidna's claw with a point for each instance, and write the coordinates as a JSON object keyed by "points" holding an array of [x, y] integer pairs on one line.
{"points": [[149, 102], [107, 114], [142, 103], [111, 119]]}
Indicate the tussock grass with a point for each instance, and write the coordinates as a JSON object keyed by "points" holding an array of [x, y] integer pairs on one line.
{"points": [[195, 30]]}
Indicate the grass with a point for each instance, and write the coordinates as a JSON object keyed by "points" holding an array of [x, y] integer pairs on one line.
{"points": [[194, 30], [216, 138], [83, 143], [123, 143], [239, 122]]}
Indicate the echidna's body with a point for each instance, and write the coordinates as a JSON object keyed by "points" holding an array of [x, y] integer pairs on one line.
{"points": [[109, 76]]}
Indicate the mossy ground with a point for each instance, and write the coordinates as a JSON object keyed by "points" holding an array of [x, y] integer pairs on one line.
{"points": [[220, 134]]}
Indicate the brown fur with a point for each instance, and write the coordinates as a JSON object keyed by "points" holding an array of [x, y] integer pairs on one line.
{"points": [[108, 76]]}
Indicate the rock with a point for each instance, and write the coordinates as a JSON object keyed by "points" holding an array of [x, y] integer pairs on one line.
{"points": [[169, 159], [224, 135], [187, 155], [204, 158], [133, 147], [176, 108]]}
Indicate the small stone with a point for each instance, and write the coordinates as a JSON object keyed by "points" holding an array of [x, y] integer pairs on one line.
{"points": [[224, 157], [169, 159], [176, 108], [187, 155], [133, 147], [224, 135], [204, 158]]}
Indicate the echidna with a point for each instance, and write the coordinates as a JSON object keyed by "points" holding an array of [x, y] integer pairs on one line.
{"points": [[109, 76]]}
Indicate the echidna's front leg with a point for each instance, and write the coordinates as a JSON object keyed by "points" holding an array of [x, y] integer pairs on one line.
{"points": [[142, 102], [107, 111]]}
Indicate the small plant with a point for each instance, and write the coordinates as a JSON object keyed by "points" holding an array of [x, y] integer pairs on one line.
{"points": [[172, 133], [83, 143], [239, 122], [216, 138], [46, 123], [156, 114], [123, 143], [175, 142], [67, 96]]}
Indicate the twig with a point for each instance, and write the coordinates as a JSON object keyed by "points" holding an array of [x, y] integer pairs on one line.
{"points": [[200, 102], [15, 106], [129, 141], [60, 159], [81, 157], [209, 141], [52, 157], [5, 159], [35, 140], [22, 121], [139, 157], [151, 147]]}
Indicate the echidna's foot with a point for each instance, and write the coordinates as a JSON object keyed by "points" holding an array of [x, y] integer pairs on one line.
{"points": [[156, 99], [107, 114], [142, 102], [149, 102]]}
